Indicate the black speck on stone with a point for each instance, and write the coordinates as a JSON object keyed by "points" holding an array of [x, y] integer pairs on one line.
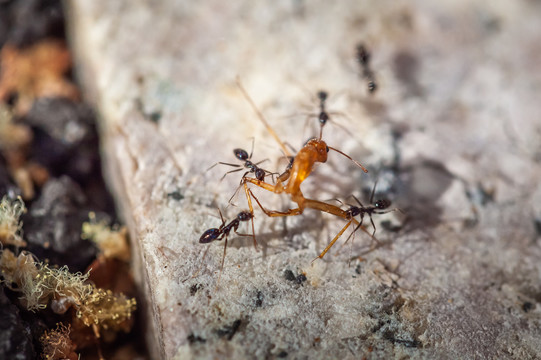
{"points": [[289, 276], [176, 195], [282, 354], [155, 116], [230, 330], [15, 336], [194, 338], [301, 278], [52, 226], [195, 288], [527, 306], [259, 299]]}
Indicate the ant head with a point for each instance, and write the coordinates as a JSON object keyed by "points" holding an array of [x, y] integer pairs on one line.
{"points": [[321, 149], [260, 174], [382, 204], [245, 216], [241, 154], [322, 95], [209, 235]]}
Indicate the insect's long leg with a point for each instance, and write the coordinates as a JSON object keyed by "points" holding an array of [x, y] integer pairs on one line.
{"points": [[260, 162], [262, 118], [342, 127], [334, 240], [359, 226], [373, 225], [250, 206], [264, 185], [200, 266], [307, 203], [238, 187], [223, 257], [229, 172], [273, 213]]}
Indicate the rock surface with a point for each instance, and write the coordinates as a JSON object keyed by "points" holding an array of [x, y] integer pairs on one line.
{"points": [[452, 133]]}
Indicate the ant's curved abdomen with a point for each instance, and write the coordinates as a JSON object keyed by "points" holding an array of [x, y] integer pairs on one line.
{"points": [[210, 235]]}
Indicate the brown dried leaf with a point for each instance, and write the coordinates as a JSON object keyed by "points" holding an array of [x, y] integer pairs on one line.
{"points": [[37, 71]]}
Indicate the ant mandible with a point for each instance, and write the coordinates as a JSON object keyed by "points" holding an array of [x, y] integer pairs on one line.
{"points": [[362, 56]]}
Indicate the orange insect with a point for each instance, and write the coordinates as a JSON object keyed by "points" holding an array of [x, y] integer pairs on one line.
{"points": [[315, 150]]}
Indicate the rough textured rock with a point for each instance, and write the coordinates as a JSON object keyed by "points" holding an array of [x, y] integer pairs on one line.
{"points": [[53, 225], [453, 132], [15, 338]]}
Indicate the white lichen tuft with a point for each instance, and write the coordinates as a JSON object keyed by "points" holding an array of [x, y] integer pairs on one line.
{"points": [[112, 241], [10, 224], [39, 285]]}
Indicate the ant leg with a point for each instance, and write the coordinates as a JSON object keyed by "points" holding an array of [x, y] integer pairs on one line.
{"points": [[229, 172], [238, 187], [200, 266], [260, 162], [342, 127], [373, 225], [278, 188], [250, 206], [333, 241], [328, 208], [359, 201], [222, 267], [262, 118], [223, 163], [272, 213], [223, 257], [221, 217]]}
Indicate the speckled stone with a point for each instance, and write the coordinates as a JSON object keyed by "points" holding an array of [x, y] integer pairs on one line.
{"points": [[452, 133]]}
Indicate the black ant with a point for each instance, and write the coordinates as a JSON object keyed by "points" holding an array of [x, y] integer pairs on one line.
{"points": [[242, 155], [217, 234], [363, 58], [323, 116], [379, 207]]}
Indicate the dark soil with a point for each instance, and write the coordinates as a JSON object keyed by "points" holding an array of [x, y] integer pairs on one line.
{"points": [[66, 144]]}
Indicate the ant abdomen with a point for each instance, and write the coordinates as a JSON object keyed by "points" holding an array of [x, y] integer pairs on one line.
{"points": [[241, 154], [382, 204], [209, 236]]}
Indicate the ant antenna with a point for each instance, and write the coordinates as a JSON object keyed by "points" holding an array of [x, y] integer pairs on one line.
{"points": [[261, 117], [349, 157]]}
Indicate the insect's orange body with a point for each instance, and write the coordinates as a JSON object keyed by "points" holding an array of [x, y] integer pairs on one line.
{"points": [[314, 151]]}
